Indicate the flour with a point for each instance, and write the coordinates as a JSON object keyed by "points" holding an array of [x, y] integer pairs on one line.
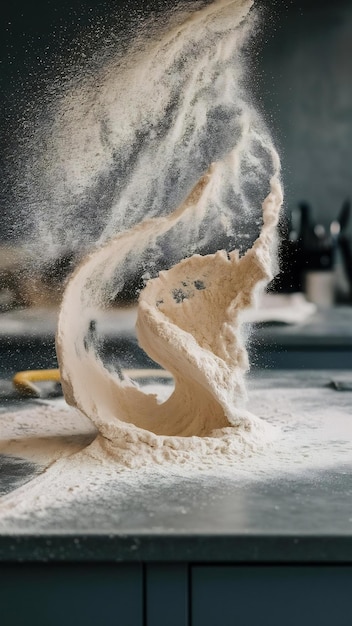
{"points": [[311, 438], [188, 316], [196, 338], [127, 138]]}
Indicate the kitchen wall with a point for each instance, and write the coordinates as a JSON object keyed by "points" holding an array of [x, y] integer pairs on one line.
{"points": [[306, 84]]}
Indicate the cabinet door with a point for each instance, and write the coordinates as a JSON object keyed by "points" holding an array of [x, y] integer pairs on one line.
{"points": [[167, 594], [71, 595], [271, 596]]}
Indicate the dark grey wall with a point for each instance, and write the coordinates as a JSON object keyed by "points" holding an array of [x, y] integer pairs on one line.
{"points": [[40, 41], [307, 90]]}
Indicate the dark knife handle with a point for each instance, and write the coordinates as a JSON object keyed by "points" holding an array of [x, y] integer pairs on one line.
{"points": [[346, 251]]}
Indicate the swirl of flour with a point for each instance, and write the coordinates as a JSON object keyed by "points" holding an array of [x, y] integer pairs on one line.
{"points": [[177, 103], [188, 322]]}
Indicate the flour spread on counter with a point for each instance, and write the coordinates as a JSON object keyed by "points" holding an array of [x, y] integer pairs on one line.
{"points": [[89, 491]]}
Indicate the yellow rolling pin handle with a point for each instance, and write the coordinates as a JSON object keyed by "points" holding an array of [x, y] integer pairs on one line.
{"points": [[25, 381]]}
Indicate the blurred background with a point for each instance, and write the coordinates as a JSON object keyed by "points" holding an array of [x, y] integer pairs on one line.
{"points": [[302, 78], [301, 75]]}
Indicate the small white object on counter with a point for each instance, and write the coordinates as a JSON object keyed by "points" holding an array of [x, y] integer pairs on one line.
{"points": [[283, 308]]}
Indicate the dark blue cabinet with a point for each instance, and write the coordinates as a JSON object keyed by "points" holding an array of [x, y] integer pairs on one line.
{"points": [[71, 594], [167, 598], [271, 596], [175, 594]]}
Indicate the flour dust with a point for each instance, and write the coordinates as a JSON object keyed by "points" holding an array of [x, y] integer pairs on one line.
{"points": [[128, 138]]}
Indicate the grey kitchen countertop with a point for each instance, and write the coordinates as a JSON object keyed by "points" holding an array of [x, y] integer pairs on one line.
{"points": [[328, 326], [295, 509], [27, 340]]}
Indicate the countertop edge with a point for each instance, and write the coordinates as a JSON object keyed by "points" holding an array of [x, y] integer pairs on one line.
{"points": [[325, 549]]}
